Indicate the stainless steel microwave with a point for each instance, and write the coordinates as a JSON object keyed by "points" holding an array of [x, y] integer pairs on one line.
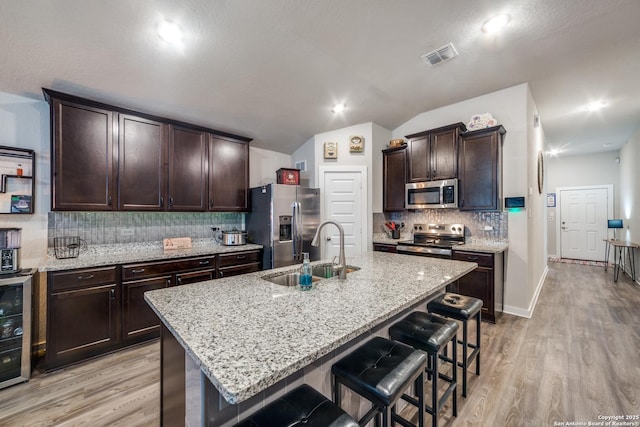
{"points": [[432, 194]]}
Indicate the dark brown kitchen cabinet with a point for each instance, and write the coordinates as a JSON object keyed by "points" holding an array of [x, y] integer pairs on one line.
{"points": [[83, 170], [139, 322], [228, 175], [187, 170], [195, 277], [394, 165], [480, 174], [486, 282], [237, 263], [384, 247], [110, 158], [82, 315], [142, 151], [433, 154]]}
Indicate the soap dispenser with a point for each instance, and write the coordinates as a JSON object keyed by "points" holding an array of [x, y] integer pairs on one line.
{"points": [[305, 273]]}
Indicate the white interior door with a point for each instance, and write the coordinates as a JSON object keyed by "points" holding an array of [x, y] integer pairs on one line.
{"points": [[583, 223], [343, 201]]}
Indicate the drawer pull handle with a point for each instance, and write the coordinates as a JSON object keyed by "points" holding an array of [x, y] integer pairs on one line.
{"points": [[240, 257], [472, 258], [113, 294], [179, 281], [204, 262], [221, 274], [140, 270], [90, 276]]}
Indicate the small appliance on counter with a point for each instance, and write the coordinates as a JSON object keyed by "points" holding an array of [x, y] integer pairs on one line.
{"points": [[233, 237], [10, 250]]}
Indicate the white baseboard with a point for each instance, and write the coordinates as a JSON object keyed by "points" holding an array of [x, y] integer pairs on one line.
{"points": [[517, 311]]}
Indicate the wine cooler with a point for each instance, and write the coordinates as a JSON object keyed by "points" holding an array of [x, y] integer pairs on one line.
{"points": [[15, 327]]}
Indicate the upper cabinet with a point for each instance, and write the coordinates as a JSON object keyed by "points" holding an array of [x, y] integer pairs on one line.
{"points": [[228, 174], [142, 149], [433, 154], [108, 158], [187, 170], [83, 169], [394, 166], [480, 174]]}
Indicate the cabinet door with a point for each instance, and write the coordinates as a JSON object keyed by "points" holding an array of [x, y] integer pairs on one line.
{"points": [[228, 175], [479, 284], [138, 319], [82, 168], [394, 177], [187, 170], [419, 161], [81, 323], [480, 174], [239, 269], [444, 154], [141, 164]]}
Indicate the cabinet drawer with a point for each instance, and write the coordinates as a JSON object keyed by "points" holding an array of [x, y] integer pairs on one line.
{"points": [[483, 260], [238, 269], [382, 247], [151, 269], [238, 258], [82, 278]]}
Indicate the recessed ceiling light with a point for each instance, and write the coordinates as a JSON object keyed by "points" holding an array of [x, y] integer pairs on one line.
{"points": [[594, 106], [338, 108], [496, 23], [170, 32]]}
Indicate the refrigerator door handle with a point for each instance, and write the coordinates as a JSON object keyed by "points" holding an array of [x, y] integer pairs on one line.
{"points": [[297, 231]]}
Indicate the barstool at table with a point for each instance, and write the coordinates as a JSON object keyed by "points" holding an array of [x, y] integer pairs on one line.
{"points": [[380, 371], [462, 308], [303, 405], [432, 334]]}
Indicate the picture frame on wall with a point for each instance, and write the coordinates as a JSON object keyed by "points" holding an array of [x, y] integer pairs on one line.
{"points": [[330, 150], [356, 144], [551, 200]]}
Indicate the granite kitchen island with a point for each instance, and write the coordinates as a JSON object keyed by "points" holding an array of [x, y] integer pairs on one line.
{"points": [[231, 345]]}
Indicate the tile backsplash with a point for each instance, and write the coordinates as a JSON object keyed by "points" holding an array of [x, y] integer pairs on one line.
{"points": [[474, 222], [98, 228]]}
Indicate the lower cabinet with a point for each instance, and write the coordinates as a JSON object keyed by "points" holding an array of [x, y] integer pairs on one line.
{"points": [[97, 310], [486, 282], [83, 315], [139, 322]]}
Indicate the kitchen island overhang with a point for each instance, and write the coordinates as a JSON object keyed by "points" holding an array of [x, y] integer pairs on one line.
{"points": [[246, 334]]}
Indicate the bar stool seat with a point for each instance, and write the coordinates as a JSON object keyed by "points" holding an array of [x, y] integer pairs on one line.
{"points": [[303, 405], [432, 333], [380, 371], [462, 308]]}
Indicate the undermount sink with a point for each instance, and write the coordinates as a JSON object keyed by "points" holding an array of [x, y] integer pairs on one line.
{"points": [[287, 279], [325, 271], [319, 272]]}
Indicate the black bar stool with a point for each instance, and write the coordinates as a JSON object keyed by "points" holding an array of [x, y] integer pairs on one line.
{"points": [[432, 334], [463, 308], [380, 371], [303, 405]]}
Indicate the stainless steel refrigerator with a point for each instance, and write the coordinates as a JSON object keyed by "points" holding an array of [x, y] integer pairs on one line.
{"points": [[283, 220]]}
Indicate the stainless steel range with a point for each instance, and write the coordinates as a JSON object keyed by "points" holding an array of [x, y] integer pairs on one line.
{"points": [[433, 240]]}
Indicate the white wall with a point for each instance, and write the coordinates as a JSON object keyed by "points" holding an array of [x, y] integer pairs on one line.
{"points": [[511, 107], [629, 206], [24, 123], [263, 165], [578, 171], [307, 153]]}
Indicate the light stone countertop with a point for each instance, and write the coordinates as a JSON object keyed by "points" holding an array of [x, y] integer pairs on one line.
{"points": [[473, 244], [124, 253], [246, 334]]}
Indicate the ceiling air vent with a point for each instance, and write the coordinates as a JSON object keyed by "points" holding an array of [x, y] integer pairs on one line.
{"points": [[439, 55]]}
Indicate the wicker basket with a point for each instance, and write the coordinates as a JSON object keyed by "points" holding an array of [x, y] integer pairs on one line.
{"points": [[67, 247]]}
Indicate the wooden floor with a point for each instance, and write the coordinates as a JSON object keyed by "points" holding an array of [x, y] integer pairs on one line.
{"points": [[577, 358]]}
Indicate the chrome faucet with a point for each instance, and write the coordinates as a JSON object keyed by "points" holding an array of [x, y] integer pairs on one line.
{"points": [[341, 268]]}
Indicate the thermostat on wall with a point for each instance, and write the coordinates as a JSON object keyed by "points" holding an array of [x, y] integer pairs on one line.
{"points": [[513, 202]]}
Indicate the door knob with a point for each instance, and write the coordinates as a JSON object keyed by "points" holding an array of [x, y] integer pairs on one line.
{"points": [[329, 239]]}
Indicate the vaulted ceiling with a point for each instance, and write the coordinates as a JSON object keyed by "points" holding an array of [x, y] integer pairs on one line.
{"points": [[272, 69]]}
